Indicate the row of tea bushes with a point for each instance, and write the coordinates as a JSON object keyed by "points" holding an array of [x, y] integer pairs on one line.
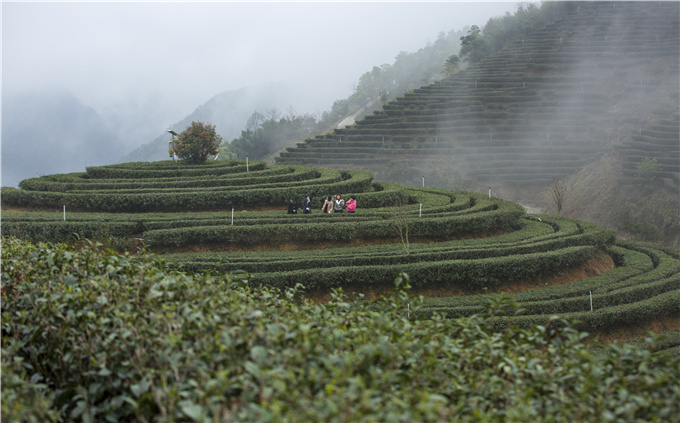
{"points": [[639, 290], [165, 169], [104, 337], [430, 212], [496, 216], [187, 199], [463, 275], [80, 181], [534, 236]]}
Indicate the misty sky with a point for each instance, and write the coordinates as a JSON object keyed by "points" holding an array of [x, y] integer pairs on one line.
{"points": [[128, 57]]}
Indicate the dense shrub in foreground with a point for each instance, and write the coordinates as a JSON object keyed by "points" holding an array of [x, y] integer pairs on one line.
{"points": [[118, 338]]}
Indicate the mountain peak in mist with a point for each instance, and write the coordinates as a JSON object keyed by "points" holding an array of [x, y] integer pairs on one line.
{"points": [[51, 132], [229, 112]]}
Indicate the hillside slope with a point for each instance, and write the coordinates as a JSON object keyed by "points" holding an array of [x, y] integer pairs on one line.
{"points": [[589, 85]]}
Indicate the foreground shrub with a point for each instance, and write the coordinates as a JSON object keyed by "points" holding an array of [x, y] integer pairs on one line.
{"points": [[119, 338]]}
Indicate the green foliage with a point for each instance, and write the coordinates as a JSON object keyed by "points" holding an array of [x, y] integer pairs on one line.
{"points": [[451, 65], [263, 137], [473, 46], [645, 287], [409, 71], [643, 231], [221, 196], [122, 338], [24, 400], [647, 170], [501, 30], [198, 141]]}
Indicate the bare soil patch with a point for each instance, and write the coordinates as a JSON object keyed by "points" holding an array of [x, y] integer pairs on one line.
{"points": [[632, 332]]}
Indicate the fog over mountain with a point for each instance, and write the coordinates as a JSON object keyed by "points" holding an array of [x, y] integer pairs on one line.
{"points": [[52, 132], [229, 112], [142, 67]]}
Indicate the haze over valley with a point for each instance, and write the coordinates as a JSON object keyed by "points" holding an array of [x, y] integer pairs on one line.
{"points": [[104, 79]]}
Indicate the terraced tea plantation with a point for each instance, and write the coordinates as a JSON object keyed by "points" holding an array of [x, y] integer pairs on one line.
{"points": [[230, 216], [543, 107]]}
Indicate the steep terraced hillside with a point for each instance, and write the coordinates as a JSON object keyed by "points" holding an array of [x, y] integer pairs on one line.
{"points": [[601, 80]]}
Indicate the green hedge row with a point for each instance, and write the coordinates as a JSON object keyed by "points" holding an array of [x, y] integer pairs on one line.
{"points": [[355, 259], [464, 274], [620, 278], [625, 288], [609, 318], [49, 226], [581, 303], [168, 169], [495, 220], [67, 231], [529, 231], [471, 304], [78, 183], [357, 181], [313, 176]]}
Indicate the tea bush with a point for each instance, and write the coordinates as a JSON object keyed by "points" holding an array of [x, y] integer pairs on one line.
{"points": [[107, 337]]}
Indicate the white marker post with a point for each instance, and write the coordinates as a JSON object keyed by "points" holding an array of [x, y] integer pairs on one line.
{"points": [[64, 212], [489, 192], [420, 214], [423, 181], [246, 163], [232, 215]]}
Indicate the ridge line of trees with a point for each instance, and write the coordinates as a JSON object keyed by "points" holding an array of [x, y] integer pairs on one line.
{"points": [[267, 133]]}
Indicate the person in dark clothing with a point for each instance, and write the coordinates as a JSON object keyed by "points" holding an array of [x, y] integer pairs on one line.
{"points": [[292, 206], [307, 205]]}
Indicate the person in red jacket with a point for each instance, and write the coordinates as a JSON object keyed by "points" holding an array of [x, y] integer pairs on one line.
{"points": [[351, 204]]}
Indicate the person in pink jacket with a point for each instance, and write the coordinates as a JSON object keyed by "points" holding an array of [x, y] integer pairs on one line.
{"points": [[351, 204]]}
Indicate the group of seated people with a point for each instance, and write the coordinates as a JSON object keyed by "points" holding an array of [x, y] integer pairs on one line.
{"points": [[330, 205]]}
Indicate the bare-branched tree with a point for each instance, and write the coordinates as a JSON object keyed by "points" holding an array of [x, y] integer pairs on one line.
{"points": [[558, 190], [402, 223]]}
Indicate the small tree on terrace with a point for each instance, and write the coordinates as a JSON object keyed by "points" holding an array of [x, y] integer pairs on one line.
{"points": [[198, 141]]}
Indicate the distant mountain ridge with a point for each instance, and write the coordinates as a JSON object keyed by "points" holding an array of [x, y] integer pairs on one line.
{"points": [[52, 132], [228, 111]]}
